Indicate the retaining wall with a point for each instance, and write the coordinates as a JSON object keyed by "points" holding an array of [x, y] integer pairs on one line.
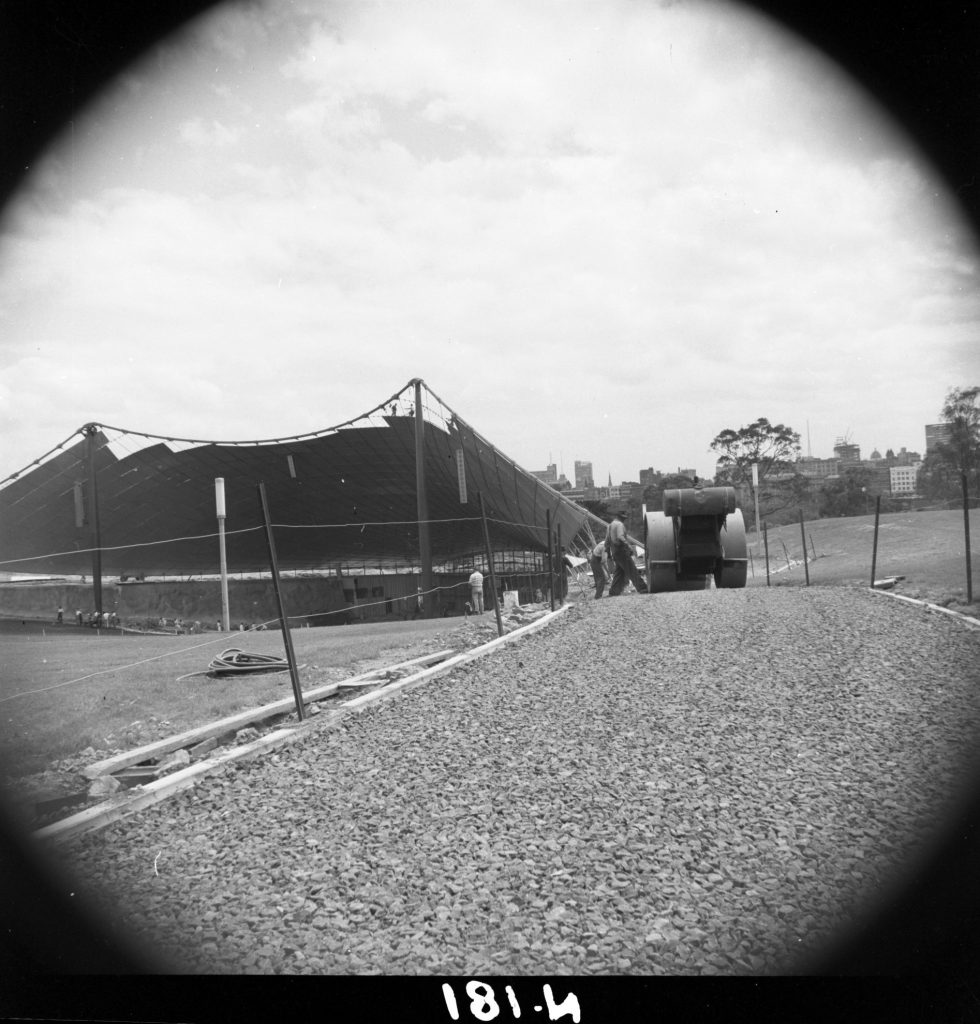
{"points": [[319, 601], [249, 601]]}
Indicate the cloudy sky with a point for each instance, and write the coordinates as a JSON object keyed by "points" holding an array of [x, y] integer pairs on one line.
{"points": [[598, 229]]}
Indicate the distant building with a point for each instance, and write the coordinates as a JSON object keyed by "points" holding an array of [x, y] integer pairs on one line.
{"points": [[650, 477], [907, 458], [817, 468], [547, 476], [583, 475], [690, 473], [847, 453], [562, 482], [936, 434], [903, 479], [626, 490]]}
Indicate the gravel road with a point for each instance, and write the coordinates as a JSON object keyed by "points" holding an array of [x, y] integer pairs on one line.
{"points": [[686, 784]]}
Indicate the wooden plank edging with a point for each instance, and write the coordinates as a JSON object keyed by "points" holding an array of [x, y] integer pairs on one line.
{"points": [[93, 818], [124, 804], [968, 620], [430, 673], [234, 722]]}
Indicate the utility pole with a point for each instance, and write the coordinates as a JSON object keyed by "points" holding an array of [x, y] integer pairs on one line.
{"points": [[91, 431], [755, 489], [422, 505], [219, 498]]}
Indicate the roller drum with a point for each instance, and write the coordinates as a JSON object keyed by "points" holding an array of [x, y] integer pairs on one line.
{"points": [[661, 553], [734, 567]]}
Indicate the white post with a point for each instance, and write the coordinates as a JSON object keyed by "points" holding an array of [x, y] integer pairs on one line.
{"points": [[755, 488], [219, 498]]}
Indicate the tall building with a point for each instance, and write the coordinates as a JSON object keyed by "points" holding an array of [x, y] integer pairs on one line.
{"points": [[846, 452], [936, 434], [547, 476], [583, 475]]}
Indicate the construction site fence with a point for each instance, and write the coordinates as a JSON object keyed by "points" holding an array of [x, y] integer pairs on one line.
{"points": [[195, 605]]}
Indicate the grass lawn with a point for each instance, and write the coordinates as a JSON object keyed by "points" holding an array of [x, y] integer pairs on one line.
{"points": [[927, 548], [62, 691]]}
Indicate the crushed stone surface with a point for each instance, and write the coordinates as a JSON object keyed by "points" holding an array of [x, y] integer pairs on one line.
{"points": [[696, 783]]}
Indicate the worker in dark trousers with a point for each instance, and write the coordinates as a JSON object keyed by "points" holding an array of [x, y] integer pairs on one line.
{"points": [[597, 562], [620, 551]]}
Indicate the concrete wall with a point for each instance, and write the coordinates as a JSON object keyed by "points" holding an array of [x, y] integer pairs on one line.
{"points": [[249, 601], [325, 600]]}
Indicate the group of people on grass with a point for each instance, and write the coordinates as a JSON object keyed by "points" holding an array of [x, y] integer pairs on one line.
{"points": [[107, 620]]}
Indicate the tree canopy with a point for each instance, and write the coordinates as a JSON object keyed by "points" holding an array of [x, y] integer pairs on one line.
{"points": [[768, 445], [849, 494], [961, 449], [773, 447]]}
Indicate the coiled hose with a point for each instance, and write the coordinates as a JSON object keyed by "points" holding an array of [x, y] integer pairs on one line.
{"points": [[235, 661]]}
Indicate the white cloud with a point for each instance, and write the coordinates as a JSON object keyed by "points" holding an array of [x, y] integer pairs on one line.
{"points": [[198, 133], [611, 229]]}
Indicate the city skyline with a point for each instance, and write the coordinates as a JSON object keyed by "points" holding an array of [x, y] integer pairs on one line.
{"points": [[881, 449]]}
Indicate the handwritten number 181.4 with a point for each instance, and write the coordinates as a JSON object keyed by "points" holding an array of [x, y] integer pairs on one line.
{"points": [[484, 1005]]}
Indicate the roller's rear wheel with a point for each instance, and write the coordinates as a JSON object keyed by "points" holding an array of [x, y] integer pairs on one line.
{"points": [[661, 554], [733, 547]]}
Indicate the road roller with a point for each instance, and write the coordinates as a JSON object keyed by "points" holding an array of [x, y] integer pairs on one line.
{"points": [[699, 536]]}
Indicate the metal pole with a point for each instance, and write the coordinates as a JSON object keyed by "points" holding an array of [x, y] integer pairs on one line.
{"points": [[93, 519], [813, 547], [562, 574], [874, 550], [425, 548], [806, 566], [286, 635], [493, 578], [219, 498], [755, 491], [966, 534], [765, 538], [551, 570]]}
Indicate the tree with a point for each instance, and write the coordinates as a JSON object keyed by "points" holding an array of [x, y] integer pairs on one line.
{"points": [[961, 450], [771, 447], [847, 494], [937, 480], [596, 507]]}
